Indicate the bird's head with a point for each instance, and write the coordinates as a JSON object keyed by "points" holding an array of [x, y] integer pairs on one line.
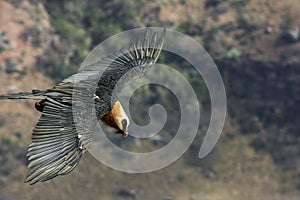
{"points": [[120, 118], [117, 119]]}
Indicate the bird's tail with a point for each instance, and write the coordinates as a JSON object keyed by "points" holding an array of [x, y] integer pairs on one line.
{"points": [[35, 94]]}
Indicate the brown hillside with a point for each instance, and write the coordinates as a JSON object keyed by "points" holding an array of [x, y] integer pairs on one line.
{"points": [[245, 38]]}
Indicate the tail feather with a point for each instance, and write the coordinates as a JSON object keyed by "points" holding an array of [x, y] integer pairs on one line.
{"points": [[38, 95]]}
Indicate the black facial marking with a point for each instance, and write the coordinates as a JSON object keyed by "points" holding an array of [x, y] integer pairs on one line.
{"points": [[124, 124], [119, 132]]}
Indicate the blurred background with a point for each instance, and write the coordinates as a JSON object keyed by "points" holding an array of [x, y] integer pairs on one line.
{"points": [[256, 46]]}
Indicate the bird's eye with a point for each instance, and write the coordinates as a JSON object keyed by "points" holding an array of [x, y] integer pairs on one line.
{"points": [[124, 124]]}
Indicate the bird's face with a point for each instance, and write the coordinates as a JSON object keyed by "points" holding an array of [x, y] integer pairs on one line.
{"points": [[121, 119], [122, 124], [117, 119]]}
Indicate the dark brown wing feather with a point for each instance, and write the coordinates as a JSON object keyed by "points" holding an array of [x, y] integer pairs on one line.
{"points": [[137, 58], [56, 146]]}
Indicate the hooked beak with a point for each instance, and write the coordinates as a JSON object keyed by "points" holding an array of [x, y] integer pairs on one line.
{"points": [[124, 133]]}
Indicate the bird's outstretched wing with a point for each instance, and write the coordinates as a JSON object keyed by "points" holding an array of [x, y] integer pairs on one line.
{"points": [[127, 64], [137, 58], [57, 145]]}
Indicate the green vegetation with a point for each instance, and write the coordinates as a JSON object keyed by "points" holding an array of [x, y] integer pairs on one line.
{"points": [[233, 53], [4, 42], [83, 25]]}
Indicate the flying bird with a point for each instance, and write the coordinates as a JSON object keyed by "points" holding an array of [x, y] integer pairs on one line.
{"points": [[57, 146]]}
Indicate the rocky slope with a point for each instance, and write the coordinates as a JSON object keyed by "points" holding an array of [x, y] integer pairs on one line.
{"points": [[256, 46]]}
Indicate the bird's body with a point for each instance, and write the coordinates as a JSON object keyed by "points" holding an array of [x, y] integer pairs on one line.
{"points": [[57, 144]]}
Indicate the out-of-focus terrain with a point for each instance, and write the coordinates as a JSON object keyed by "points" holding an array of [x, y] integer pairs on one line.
{"points": [[255, 44]]}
